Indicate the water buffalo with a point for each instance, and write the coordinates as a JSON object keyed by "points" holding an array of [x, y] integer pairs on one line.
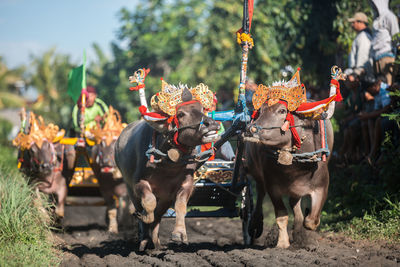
{"points": [[268, 154], [48, 165], [153, 188], [111, 185]]}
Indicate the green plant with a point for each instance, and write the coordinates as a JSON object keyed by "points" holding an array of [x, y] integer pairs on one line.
{"points": [[24, 224]]}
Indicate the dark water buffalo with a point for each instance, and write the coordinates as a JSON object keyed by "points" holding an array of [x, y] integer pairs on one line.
{"points": [[153, 188], [48, 167], [111, 184], [265, 142]]}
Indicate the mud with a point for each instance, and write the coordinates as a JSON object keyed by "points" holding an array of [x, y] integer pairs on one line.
{"points": [[213, 242]]}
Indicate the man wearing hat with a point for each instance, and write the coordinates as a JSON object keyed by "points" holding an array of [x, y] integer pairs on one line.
{"points": [[94, 111], [360, 61], [385, 26]]}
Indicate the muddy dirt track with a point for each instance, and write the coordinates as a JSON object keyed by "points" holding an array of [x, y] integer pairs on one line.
{"points": [[213, 242]]}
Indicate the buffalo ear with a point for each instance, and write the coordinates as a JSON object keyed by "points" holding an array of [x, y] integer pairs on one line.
{"points": [[186, 95], [159, 125]]}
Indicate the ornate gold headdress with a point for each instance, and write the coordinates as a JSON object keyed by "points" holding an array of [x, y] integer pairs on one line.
{"points": [[39, 132], [171, 95], [293, 92], [112, 128]]}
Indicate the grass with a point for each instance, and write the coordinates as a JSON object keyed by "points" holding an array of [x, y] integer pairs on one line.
{"points": [[25, 237]]}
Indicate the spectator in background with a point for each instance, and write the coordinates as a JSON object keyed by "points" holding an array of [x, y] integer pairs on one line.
{"points": [[351, 125], [385, 25], [378, 91], [251, 87], [360, 61]]}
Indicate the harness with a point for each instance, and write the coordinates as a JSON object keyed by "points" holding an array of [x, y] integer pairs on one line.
{"points": [[156, 156], [287, 156]]}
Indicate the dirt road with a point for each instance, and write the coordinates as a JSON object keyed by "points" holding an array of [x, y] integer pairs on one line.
{"points": [[213, 242]]}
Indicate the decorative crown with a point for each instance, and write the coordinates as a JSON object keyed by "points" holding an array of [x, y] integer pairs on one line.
{"points": [[171, 95], [112, 128], [292, 91], [39, 132]]}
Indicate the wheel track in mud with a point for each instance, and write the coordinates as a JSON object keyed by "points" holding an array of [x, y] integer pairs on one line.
{"points": [[213, 242]]}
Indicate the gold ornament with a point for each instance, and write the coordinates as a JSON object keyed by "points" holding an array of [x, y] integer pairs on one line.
{"points": [[293, 92], [171, 95], [112, 128], [38, 133]]}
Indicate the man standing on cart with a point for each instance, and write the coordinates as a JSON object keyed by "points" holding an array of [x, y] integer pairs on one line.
{"points": [[94, 110]]}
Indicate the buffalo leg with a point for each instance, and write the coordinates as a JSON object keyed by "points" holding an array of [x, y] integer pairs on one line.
{"points": [[256, 222], [318, 198], [162, 207], [148, 201], [61, 192], [179, 233], [282, 219], [295, 204], [106, 185]]}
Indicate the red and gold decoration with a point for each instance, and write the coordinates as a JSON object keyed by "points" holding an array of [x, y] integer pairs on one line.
{"points": [[170, 96], [38, 133], [112, 128]]}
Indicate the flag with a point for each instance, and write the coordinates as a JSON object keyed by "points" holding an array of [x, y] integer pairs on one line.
{"points": [[77, 80], [247, 16]]}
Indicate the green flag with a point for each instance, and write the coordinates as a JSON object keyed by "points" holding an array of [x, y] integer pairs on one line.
{"points": [[77, 80]]}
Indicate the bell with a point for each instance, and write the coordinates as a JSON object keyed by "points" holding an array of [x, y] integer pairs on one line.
{"points": [[285, 157], [174, 154]]}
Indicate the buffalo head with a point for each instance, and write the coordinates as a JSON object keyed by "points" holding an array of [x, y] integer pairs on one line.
{"points": [[269, 127], [42, 159]]}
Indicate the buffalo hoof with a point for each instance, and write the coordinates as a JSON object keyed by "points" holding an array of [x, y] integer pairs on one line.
{"points": [[179, 238], [311, 224], [283, 244], [112, 218], [143, 245], [256, 226], [60, 213]]}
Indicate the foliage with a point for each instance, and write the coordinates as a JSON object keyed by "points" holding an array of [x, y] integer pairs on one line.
{"points": [[24, 232], [364, 201]]}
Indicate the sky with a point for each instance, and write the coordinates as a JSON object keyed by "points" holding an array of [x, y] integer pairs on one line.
{"points": [[71, 26]]}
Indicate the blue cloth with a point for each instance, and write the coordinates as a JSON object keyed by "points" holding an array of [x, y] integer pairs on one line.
{"points": [[382, 99]]}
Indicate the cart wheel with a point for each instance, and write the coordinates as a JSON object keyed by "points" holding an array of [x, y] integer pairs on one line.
{"points": [[246, 210]]}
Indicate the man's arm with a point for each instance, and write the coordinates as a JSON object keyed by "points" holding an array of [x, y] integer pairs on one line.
{"points": [[75, 116]]}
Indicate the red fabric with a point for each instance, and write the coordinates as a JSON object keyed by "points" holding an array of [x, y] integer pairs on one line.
{"points": [[91, 89], [251, 10], [255, 114], [310, 105], [142, 109], [135, 88], [206, 147], [338, 94], [295, 134]]}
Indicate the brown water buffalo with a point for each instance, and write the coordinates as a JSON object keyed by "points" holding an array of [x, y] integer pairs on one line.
{"points": [[48, 167], [266, 144], [47, 163], [153, 188], [111, 184]]}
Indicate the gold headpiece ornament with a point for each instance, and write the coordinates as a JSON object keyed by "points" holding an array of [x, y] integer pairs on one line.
{"points": [[171, 95], [293, 92], [39, 132], [112, 128]]}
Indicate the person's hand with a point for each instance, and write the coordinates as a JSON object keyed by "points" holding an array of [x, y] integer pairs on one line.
{"points": [[368, 96], [98, 118], [351, 78]]}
